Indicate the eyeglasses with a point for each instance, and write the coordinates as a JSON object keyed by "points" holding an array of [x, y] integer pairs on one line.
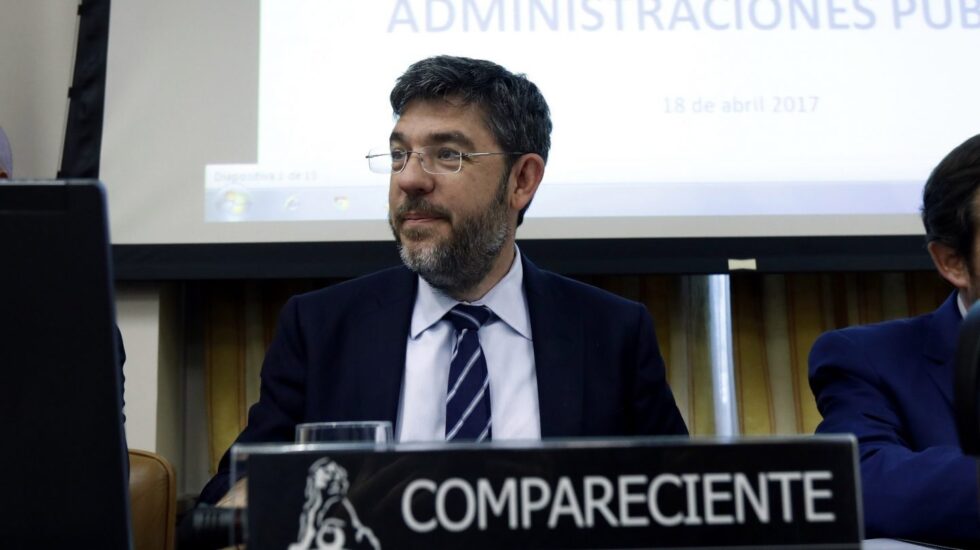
{"points": [[435, 159]]}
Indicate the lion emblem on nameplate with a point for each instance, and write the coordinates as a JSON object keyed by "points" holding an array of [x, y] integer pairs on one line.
{"points": [[329, 521]]}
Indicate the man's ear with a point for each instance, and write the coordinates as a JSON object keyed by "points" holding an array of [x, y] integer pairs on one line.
{"points": [[950, 264], [527, 173]]}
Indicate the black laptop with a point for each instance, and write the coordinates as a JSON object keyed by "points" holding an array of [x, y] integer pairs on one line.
{"points": [[63, 460]]}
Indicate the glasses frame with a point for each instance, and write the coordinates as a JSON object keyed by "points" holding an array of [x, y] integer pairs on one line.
{"points": [[422, 154]]}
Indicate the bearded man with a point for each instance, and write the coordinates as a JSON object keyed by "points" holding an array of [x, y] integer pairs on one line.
{"points": [[468, 341]]}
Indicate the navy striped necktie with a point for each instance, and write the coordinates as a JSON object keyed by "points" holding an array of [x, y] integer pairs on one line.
{"points": [[468, 393]]}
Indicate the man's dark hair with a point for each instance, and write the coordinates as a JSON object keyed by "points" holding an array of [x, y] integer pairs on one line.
{"points": [[948, 211], [513, 107]]}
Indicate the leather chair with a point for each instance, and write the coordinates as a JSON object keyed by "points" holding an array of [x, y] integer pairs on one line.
{"points": [[153, 500]]}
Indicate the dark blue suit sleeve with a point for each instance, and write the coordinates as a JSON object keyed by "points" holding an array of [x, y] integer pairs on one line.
{"points": [[925, 493], [281, 403], [656, 412]]}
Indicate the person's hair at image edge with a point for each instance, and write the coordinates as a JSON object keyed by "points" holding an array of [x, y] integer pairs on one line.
{"points": [[948, 211], [6, 156], [513, 107]]}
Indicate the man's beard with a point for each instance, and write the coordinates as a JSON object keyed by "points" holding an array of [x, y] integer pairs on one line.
{"points": [[464, 259]]}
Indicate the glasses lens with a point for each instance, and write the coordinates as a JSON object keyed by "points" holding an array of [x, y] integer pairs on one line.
{"points": [[381, 161], [380, 164], [437, 159]]}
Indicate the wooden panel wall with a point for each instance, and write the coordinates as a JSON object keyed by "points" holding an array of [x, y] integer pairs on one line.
{"points": [[776, 319]]}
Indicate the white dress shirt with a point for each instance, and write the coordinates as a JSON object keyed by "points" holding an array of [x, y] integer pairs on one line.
{"points": [[507, 346]]}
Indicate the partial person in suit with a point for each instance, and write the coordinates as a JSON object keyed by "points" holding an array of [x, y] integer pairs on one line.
{"points": [[559, 358], [891, 384]]}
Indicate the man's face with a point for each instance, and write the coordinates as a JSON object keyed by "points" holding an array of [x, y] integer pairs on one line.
{"points": [[961, 271], [450, 228]]}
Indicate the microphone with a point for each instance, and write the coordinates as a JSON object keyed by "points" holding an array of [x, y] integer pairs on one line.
{"points": [[209, 527]]}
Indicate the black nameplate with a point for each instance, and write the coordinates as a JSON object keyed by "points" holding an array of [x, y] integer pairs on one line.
{"points": [[798, 492]]}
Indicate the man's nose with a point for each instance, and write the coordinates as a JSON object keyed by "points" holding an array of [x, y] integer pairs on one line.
{"points": [[413, 180]]}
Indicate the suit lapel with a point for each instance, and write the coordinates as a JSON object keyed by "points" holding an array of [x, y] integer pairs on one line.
{"points": [[940, 345], [381, 332], [556, 328]]}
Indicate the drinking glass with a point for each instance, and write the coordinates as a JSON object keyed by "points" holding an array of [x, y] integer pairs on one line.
{"points": [[377, 431]]}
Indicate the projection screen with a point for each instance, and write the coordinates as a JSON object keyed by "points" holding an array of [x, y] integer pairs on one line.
{"points": [[247, 122]]}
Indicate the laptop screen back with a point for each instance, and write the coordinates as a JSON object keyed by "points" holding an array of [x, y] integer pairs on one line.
{"points": [[63, 461]]}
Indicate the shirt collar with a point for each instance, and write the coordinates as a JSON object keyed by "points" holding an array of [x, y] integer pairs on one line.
{"points": [[961, 303], [506, 299]]}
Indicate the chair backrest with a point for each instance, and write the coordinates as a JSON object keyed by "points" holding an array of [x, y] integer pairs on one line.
{"points": [[153, 500]]}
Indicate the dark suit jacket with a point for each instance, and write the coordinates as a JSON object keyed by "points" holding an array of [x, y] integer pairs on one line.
{"points": [[339, 354], [891, 384]]}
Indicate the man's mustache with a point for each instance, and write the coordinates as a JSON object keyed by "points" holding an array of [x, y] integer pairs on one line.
{"points": [[420, 206]]}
